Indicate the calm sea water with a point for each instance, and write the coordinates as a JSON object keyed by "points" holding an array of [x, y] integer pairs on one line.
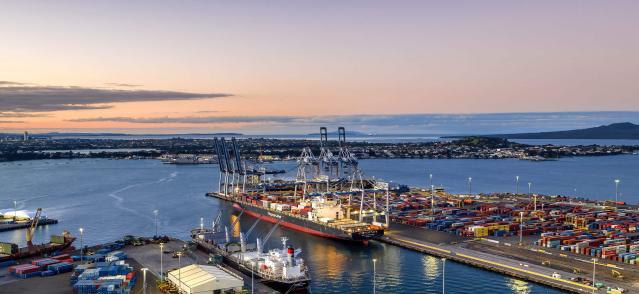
{"points": [[111, 198]]}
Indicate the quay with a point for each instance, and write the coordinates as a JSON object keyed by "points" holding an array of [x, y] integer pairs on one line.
{"points": [[24, 225], [523, 264], [139, 255]]}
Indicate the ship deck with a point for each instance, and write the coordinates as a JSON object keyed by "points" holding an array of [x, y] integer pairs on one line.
{"points": [[346, 225]]}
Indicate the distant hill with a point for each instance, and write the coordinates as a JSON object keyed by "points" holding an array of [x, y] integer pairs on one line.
{"points": [[623, 130]]}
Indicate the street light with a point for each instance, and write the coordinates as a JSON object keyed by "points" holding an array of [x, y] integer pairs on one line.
{"points": [[470, 186], [432, 199], [374, 275], [179, 254], [155, 213], [81, 244], [15, 210], [594, 269], [161, 262], [443, 275], [617, 181], [516, 185], [521, 227], [430, 179], [144, 269]]}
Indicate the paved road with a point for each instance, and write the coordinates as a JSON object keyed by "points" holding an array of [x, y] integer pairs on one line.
{"points": [[495, 261]]}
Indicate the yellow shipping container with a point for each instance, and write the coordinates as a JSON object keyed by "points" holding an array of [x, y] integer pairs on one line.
{"points": [[481, 232]]}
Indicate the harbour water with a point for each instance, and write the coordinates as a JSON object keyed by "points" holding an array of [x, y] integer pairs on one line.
{"points": [[111, 198]]}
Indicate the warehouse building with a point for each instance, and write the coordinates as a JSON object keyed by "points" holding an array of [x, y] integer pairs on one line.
{"points": [[196, 279]]}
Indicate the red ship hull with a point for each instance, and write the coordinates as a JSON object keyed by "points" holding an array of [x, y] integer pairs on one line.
{"points": [[275, 218]]}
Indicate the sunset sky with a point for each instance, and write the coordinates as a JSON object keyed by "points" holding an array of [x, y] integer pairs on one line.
{"points": [[287, 66]]}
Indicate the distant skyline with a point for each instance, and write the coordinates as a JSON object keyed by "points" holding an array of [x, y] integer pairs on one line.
{"points": [[282, 67], [422, 124]]}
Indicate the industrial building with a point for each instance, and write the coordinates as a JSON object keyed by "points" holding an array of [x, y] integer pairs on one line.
{"points": [[196, 278]]}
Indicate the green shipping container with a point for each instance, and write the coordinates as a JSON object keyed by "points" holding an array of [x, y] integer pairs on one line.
{"points": [[8, 248], [57, 239]]}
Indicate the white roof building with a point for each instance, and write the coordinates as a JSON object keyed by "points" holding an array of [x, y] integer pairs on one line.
{"points": [[197, 278]]}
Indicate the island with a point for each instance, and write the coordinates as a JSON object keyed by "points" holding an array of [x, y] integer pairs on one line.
{"points": [[619, 131]]}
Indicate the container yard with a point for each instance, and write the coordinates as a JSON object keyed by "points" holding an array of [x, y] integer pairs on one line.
{"points": [[498, 232], [559, 234]]}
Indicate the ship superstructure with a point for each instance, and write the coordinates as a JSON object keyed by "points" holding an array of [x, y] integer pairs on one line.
{"points": [[282, 268]]}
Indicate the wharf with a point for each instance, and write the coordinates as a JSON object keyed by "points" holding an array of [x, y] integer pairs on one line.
{"points": [[411, 238], [149, 256], [24, 225]]}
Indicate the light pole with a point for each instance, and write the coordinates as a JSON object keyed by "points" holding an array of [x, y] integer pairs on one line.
{"points": [[15, 210], [144, 269], [161, 262], [617, 181], [155, 214], [430, 179], [594, 269], [81, 245], [179, 254], [374, 275], [432, 199], [443, 275], [516, 185], [530, 195], [252, 278], [521, 228], [470, 186]]}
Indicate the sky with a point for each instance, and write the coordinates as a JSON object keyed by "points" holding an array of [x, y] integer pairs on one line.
{"points": [[289, 66]]}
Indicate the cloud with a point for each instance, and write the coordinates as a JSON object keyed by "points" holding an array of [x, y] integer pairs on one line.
{"points": [[192, 119], [20, 98], [122, 85], [208, 111], [3, 83], [23, 114], [11, 122]]}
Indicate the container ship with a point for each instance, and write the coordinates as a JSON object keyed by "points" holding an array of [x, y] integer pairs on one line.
{"points": [[319, 216], [329, 197]]}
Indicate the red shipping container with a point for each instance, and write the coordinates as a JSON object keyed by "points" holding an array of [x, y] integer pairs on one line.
{"points": [[27, 269], [61, 256]]}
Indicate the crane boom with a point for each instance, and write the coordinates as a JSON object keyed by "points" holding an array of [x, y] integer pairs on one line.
{"points": [[34, 225], [248, 233], [271, 231]]}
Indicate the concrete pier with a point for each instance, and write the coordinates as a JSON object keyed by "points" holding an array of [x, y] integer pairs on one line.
{"points": [[24, 225]]}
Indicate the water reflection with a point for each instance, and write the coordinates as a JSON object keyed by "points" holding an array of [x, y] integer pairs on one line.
{"points": [[333, 261], [519, 286], [431, 267], [236, 229], [389, 272]]}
